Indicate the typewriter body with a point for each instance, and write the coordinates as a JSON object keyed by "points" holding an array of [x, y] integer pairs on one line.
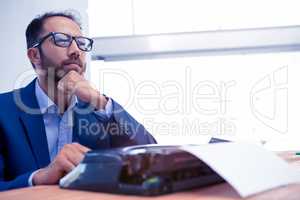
{"points": [[140, 170]]}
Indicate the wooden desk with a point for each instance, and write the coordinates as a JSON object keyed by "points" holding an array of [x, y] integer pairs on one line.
{"points": [[216, 192]]}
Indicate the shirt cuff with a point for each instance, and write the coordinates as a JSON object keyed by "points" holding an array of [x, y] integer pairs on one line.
{"points": [[30, 183], [107, 112]]}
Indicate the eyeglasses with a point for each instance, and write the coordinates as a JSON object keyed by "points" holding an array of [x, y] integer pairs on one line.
{"points": [[65, 40]]}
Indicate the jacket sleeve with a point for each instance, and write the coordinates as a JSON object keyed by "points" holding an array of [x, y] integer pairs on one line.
{"points": [[17, 182], [124, 130]]}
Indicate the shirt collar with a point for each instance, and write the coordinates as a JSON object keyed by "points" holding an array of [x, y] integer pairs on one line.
{"points": [[45, 102]]}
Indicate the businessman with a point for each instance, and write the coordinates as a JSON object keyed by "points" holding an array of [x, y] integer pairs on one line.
{"points": [[48, 126]]}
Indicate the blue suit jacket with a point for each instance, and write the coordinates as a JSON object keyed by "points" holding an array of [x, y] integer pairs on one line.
{"points": [[23, 142]]}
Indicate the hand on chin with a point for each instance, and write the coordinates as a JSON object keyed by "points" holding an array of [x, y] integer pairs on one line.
{"points": [[61, 73], [74, 83], [70, 81]]}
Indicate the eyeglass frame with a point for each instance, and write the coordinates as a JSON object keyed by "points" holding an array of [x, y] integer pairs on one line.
{"points": [[72, 37]]}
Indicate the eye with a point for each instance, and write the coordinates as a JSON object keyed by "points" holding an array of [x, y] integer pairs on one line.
{"points": [[82, 41], [85, 44], [62, 39]]}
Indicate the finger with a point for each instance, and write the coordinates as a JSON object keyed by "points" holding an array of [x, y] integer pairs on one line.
{"points": [[61, 164], [65, 81], [73, 154], [67, 165], [62, 85], [73, 76], [65, 84], [81, 148]]}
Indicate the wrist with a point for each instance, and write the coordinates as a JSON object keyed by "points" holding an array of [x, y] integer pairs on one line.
{"points": [[101, 102], [38, 177]]}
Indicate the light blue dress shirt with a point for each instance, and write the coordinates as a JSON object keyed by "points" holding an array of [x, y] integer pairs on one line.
{"points": [[59, 127]]}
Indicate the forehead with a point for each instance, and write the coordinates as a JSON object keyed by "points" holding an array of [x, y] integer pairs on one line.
{"points": [[61, 24]]}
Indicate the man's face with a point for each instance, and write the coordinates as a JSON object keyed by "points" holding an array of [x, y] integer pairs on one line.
{"points": [[58, 61]]}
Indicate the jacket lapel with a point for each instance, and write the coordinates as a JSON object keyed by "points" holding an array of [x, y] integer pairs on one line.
{"points": [[34, 126]]}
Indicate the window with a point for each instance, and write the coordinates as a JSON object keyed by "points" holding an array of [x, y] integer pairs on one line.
{"points": [[127, 17], [188, 100], [244, 97]]}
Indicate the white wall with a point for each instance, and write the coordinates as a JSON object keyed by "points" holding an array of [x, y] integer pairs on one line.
{"points": [[15, 16], [248, 97]]}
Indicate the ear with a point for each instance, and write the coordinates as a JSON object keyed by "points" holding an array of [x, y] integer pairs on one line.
{"points": [[34, 56]]}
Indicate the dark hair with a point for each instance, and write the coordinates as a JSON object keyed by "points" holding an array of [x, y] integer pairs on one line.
{"points": [[35, 27]]}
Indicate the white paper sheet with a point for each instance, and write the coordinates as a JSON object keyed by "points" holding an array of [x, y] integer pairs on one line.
{"points": [[248, 168]]}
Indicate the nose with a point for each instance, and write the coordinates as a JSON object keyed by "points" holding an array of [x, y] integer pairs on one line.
{"points": [[73, 50]]}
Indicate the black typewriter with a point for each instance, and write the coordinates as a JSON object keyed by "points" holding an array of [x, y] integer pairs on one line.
{"points": [[140, 170]]}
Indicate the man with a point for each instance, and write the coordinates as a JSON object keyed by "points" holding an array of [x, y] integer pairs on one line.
{"points": [[48, 126]]}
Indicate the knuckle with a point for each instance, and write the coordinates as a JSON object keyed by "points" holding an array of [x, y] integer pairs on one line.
{"points": [[73, 75], [65, 149], [59, 159]]}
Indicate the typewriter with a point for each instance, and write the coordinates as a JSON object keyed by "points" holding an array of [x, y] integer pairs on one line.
{"points": [[147, 170]]}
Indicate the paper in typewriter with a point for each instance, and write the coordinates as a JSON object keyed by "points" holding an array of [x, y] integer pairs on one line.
{"points": [[248, 168]]}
